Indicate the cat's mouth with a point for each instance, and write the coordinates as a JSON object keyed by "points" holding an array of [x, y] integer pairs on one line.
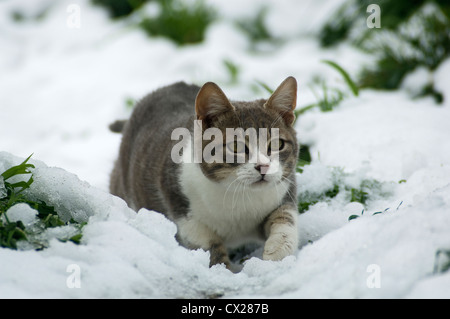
{"points": [[262, 181]]}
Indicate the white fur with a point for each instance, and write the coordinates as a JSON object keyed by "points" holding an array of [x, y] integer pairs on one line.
{"points": [[232, 209], [282, 242]]}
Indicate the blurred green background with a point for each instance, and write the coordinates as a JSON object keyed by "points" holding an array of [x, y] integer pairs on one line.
{"points": [[413, 34]]}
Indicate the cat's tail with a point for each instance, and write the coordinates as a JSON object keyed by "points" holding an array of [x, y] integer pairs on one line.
{"points": [[117, 126]]}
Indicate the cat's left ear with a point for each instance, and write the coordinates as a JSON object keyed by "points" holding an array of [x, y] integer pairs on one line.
{"points": [[284, 100]]}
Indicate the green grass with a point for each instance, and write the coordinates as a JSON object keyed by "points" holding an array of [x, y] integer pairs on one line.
{"points": [[233, 71], [413, 34], [403, 51], [305, 203], [255, 27], [368, 189], [329, 97], [180, 22], [13, 193], [14, 189], [441, 261], [350, 18], [351, 217], [350, 83], [120, 8], [266, 88]]}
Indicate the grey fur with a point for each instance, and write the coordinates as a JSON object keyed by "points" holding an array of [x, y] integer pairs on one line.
{"points": [[144, 174]]}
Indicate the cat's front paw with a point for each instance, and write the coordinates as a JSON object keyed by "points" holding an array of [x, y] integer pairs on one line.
{"points": [[280, 245]]}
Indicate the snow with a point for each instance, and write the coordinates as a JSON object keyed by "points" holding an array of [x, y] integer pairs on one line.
{"points": [[3, 192], [22, 212], [61, 87], [401, 135]]}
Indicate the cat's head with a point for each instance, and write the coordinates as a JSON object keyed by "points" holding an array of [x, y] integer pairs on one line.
{"points": [[257, 144]]}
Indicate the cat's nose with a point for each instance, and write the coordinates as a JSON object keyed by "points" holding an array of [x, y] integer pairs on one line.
{"points": [[262, 168]]}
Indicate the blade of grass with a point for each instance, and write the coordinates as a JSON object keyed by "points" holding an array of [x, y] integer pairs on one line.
{"points": [[265, 86], [304, 109], [17, 170], [345, 75]]}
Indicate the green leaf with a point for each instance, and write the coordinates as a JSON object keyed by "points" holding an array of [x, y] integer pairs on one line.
{"points": [[76, 239], [233, 70], [18, 169], [441, 266], [23, 185], [11, 233], [358, 195], [345, 75], [265, 86], [182, 22], [304, 109]]}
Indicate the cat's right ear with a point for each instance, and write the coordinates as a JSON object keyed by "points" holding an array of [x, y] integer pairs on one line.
{"points": [[284, 100], [211, 102]]}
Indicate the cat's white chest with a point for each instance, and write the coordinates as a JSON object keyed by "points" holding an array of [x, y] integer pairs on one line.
{"points": [[234, 211]]}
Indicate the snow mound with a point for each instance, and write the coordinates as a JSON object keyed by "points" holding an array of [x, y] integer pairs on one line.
{"points": [[124, 254]]}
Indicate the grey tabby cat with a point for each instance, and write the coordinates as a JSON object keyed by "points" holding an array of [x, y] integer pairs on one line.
{"points": [[215, 205]]}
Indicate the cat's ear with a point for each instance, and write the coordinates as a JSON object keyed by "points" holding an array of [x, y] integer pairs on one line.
{"points": [[211, 102], [284, 100]]}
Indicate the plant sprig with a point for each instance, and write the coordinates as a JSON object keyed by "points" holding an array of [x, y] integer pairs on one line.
{"points": [[330, 97], [345, 76], [11, 232]]}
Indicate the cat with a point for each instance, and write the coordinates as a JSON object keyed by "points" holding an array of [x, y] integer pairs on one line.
{"points": [[216, 205]]}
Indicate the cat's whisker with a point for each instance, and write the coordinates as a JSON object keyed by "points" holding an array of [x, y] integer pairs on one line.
{"points": [[244, 184], [288, 191], [244, 192], [236, 194], [235, 200], [226, 191]]}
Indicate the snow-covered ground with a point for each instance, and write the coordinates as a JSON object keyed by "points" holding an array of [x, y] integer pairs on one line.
{"points": [[61, 87]]}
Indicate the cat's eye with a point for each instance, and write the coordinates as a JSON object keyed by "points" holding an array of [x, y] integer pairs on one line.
{"points": [[237, 147], [276, 145]]}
